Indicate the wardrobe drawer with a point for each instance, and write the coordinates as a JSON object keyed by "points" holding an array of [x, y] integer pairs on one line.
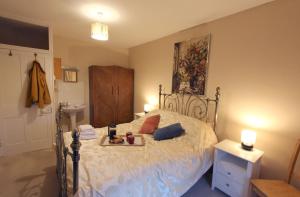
{"points": [[233, 169], [228, 186]]}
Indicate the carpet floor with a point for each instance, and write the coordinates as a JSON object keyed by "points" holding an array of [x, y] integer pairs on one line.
{"points": [[33, 174]]}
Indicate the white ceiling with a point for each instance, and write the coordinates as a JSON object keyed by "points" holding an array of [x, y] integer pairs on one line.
{"points": [[131, 22]]}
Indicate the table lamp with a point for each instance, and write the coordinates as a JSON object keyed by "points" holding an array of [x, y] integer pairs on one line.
{"points": [[147, 108], [248, 139]]}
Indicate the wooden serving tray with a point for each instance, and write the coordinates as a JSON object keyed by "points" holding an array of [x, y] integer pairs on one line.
{"points": [[138, 141]]}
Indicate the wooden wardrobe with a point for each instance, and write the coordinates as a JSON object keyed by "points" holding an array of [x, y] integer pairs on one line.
{"points": [[111, 95]]}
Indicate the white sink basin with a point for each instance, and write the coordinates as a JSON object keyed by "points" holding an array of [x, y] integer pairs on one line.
{"points": [[72, 110]]}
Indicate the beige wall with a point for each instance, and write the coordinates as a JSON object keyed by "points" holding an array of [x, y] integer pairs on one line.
{"points": [[254, 58], [81, 55]]}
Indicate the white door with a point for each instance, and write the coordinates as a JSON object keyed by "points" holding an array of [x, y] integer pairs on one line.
{"points": [[22, 129]]}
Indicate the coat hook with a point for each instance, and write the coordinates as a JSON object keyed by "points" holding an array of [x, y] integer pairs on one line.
{"points": [[10, 53], [35, 56]]}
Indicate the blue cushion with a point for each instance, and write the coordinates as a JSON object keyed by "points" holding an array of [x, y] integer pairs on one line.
{"points": [[168, 132]]}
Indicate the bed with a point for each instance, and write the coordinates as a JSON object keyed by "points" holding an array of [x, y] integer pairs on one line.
{"points": [[160, 168]]}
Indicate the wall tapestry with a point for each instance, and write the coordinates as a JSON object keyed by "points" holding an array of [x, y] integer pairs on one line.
{"points": [[190, 65]]}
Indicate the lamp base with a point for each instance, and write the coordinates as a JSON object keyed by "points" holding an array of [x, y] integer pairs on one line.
{"points": [[246, 147]]}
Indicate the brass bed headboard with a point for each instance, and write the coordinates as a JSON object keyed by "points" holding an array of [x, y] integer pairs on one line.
{"points": [[190, 104]]}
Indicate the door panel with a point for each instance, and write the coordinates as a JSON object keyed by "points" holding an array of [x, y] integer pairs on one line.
{"points": [[38, 130], [13, 137], [102, 96], [124, 94], [11, 85], [35, 129], [15, 132]]}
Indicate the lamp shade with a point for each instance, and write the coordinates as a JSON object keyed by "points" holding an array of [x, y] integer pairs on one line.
{"points": [[99, 31], [248, 139], [147, 108]]}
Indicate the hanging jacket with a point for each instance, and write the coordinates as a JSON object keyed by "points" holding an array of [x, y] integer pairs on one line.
{"points": [[38, 92]]}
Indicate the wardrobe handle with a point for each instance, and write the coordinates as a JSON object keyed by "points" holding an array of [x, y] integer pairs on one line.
{"points": [[118, 90], [112, 90]]}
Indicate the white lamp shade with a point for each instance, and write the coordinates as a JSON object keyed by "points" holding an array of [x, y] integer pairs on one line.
{"points": [[248, 137], [147, 107], [99, 31]]}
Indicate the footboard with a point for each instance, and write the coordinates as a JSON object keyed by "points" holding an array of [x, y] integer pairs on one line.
{"points": [[62, 152]]}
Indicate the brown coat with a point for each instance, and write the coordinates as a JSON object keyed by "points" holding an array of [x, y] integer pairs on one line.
{"points": [[38, 90]]}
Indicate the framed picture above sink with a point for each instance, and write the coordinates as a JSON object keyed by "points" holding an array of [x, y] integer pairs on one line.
{"points": [[70, 75]]}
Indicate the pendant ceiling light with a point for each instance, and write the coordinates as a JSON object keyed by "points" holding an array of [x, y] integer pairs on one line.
{"points": [[99, 31]]}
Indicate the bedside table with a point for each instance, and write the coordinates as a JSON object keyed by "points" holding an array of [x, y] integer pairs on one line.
{"points": [[139, 115], [234, 167]]}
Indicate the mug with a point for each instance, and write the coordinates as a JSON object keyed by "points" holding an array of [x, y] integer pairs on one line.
{"points": [[130, 139]]}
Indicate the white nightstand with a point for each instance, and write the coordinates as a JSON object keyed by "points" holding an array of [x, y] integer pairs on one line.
{"points": [[234, 167], [139, 115]]}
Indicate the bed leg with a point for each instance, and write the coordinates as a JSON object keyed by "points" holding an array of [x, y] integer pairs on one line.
{"points": [[64, 176], [75, 158]]}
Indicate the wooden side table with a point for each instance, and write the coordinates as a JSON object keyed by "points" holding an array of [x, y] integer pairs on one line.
{"points": [[234, 167]]}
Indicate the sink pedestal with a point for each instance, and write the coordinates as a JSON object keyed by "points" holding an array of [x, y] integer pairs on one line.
{"points": [[72, 121]]}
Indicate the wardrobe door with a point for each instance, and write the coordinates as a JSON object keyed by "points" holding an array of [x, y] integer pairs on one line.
{"points": [[102, 96], [124, 90]]}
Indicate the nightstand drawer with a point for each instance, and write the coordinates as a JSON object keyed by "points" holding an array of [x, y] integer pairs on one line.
{"points": [[228, 186], [233, 168]]}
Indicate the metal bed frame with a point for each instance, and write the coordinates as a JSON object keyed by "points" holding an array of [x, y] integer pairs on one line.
{"points": [[183, 102], [62, 151], [189, 104]]}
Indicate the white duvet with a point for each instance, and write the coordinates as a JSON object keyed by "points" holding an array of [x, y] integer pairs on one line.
{"points": [[160, 168]]}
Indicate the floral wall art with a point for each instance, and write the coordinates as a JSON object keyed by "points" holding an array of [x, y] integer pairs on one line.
{"points": [[190, 65]]}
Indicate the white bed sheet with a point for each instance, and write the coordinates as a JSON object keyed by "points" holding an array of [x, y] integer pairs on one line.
{"points": [[160, 168]]}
